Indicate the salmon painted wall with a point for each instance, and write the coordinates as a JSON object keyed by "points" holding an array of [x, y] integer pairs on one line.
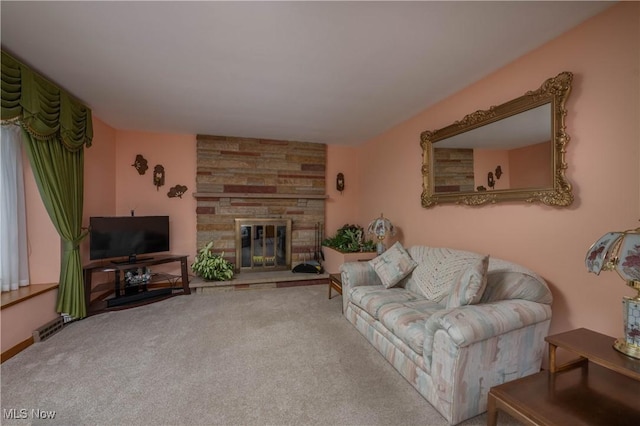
{"points": [[43, 241], [603, 158], [177, 153], [99, 177], [531, 167], [342, 208]]}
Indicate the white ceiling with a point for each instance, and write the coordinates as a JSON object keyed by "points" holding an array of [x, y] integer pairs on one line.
{"points": [[332, 72]]}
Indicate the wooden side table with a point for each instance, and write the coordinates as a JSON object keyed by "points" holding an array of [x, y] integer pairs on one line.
{"points": [[335, 282], [601, 387]]}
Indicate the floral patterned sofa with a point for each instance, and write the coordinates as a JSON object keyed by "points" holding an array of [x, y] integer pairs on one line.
{"points": [[453, 323]]}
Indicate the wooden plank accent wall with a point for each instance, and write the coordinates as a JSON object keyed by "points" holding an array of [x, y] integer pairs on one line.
{"points": [[242, 167]]}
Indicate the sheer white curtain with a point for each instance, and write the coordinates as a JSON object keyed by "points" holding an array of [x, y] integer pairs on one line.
{"points": [[14, 266]]}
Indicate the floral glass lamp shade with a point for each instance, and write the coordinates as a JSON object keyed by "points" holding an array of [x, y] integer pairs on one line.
{"points": [[381, 227], [620, 251]]}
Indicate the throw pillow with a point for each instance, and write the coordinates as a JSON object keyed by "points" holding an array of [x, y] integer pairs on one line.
{"points": [[393, 265], [470, 285]]}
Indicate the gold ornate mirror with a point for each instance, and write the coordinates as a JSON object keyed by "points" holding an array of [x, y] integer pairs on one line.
{"points": [[510, 152]]}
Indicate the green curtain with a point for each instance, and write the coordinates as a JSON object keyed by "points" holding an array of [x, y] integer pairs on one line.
{"points": [[56, 128]]}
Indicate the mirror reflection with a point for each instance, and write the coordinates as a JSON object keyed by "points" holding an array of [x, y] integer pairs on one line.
{"points": [[506, 154], [510, 152]]}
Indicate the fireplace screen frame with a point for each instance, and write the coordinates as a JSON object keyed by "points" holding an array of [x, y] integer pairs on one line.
{"points": [[262, 259]]}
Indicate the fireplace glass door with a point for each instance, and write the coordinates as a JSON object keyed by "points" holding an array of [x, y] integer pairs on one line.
{"points": [[263, 244]]}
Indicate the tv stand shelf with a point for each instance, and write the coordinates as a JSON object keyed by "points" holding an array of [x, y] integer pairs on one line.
{"points": [[142, 294]]}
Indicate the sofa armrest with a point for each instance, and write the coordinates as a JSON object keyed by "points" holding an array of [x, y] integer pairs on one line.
{"points": [[356, 274], [469, 324]]}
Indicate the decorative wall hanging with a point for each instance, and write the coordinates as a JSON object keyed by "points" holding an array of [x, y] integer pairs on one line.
{"points": [[491, 182], [177, 191], [340, 182], [140, 164], [158, 176], [498, 172]]}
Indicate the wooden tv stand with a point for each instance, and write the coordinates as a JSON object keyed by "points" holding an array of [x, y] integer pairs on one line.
{"points": [[144, 295]]}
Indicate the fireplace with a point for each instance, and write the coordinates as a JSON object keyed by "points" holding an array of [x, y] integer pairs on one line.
{"points": [[259, 179], [263, 244]]}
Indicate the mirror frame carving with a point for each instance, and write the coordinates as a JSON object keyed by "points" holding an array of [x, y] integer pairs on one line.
{"points": [[554, 91]]}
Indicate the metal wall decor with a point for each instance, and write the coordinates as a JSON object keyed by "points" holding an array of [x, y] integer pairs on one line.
{"points": [[158, 176], [340, 182], [140, 164], [177, 191]]}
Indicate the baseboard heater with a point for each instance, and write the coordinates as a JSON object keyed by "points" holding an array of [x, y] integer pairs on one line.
{"points": [[144, 295]]}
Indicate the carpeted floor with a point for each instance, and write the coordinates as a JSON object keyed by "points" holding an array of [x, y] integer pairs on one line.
{"points": [[258, 357]]}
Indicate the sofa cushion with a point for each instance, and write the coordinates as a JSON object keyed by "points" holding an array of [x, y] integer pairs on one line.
{"points": [[393, 265], [437, 270], [372, 298], [470, 285], [407, 320]]}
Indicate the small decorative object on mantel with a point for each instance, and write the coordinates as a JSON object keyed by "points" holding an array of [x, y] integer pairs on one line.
{"points": [[381, 227], [140, 164], [177, 191], [340, 182], [620, 251], [158, 176]]}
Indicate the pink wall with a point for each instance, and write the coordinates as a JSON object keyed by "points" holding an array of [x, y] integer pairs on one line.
{"points": [[603, 158], [342, 208], [99, 177], [177, 153], [43, 241], [19, 320], [531, 166]]}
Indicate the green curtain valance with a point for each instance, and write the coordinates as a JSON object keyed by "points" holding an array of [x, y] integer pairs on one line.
{"points": [[43, 109]]}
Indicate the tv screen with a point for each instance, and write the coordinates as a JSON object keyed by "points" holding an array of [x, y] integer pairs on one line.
{"points": [[127, 236]]}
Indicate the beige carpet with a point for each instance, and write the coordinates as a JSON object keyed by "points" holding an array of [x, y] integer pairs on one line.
{"points": [[258, 357]]}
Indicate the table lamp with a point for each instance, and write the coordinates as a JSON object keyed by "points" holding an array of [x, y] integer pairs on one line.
{"points": [[381, 227], [620, 251]]}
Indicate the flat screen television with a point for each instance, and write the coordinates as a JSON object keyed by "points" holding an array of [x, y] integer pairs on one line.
{"points": [[130, 236]]}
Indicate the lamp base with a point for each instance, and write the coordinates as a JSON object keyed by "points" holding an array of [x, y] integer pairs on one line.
{"points": [[626, 348], [630, 343]]}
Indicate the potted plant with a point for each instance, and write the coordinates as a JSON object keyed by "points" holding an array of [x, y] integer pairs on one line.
{"points": [[212, 267], [347, 245], [349, 239]]}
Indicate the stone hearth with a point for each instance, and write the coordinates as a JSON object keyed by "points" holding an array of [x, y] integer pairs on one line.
{"points": [[258, 280]]}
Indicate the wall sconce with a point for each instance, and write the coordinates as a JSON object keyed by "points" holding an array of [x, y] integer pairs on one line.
{"points": [[340, 182], [491, 183], [491, 179], [158, 176]]}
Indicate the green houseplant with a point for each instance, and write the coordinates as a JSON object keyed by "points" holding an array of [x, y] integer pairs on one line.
{"points": [[212, 267], [349, 239]]}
